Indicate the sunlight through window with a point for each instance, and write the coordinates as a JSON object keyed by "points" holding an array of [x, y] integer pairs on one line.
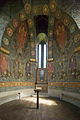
{"points": [[39, 56], [45, 56], [41, 101]]}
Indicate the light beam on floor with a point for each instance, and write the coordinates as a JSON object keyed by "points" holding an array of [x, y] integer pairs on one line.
{"points": [[41, 101]]}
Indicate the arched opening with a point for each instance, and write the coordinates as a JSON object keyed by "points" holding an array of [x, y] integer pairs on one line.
{"points": [[42, 55], [41, 50], [41, 22]]}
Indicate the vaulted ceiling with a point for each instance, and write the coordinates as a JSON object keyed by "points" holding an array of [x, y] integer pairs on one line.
{"points": [[70, 6]]}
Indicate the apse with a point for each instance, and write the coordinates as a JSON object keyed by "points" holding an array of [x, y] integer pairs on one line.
{"points": [[30, 29]]}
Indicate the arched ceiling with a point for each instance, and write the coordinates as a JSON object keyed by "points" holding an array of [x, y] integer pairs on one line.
{"points": [[70, 6], [9, 9]]}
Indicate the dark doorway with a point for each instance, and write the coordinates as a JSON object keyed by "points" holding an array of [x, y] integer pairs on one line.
{"points": [[41, 22]]}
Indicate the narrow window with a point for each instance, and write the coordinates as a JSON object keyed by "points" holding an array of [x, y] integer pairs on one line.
{"points": [[45, 55], [42, 55], [39, 55]]}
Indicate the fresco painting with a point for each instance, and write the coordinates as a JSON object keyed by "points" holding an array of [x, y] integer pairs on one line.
{"points": [[18, 34], [3, 65], [22, 34], [50, 70], [61, 33], [28, 70]]}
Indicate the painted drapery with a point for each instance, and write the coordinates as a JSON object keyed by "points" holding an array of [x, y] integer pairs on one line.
{"points": [[22, 34], [50, 70], [72, 64], [3, 65], [61, 33]]}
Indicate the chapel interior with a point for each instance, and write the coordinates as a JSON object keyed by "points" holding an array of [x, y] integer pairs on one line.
{"points": [[39, 59]]}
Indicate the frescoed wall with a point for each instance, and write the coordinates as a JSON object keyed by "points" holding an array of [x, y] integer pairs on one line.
{"points": [[18, 69]]}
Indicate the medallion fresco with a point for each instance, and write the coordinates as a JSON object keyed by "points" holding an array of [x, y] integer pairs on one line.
{"points": [[45, 9], [28, 69], [50, 33], [51, 21], [50, 53], [77, 37], [6, 41], [32, 44], [50, 44], [22, 16], [72, 28], [15, 23], [58, 14], [27, 8], [33, 52], [30, 23], [53, 6], [66, 21], [9, 31]]}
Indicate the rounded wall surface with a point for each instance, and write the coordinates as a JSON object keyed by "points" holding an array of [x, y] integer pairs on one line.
{"points": [[19, 39]]}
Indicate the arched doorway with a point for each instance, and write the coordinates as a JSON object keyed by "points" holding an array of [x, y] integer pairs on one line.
{"points": [[41, 57]]}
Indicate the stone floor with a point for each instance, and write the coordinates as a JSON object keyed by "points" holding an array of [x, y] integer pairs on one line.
{"points": [[50, 109]]}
